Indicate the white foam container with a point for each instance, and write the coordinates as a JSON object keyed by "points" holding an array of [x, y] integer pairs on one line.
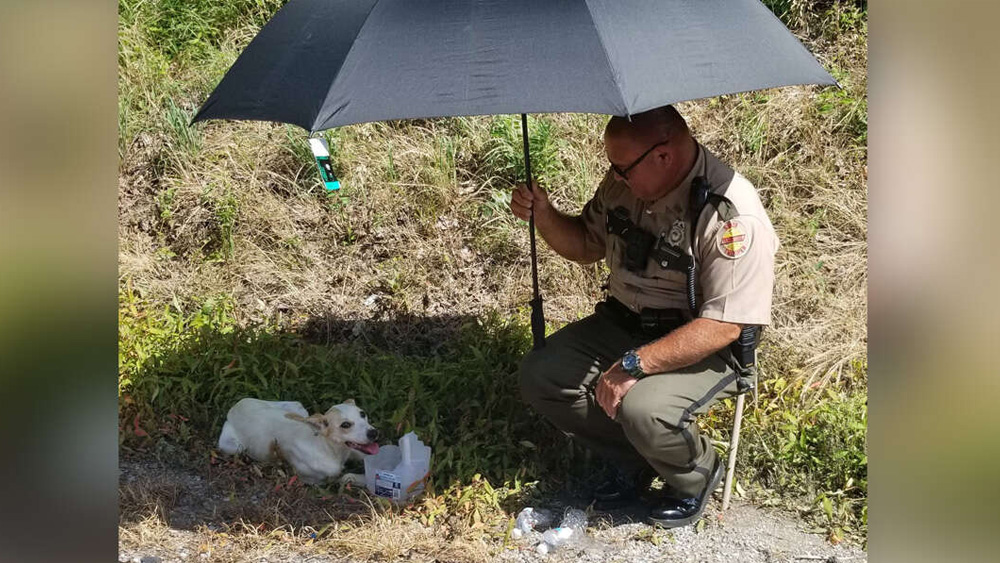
{"points": [[399, 473]]}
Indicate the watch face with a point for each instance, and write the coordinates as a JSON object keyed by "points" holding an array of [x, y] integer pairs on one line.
{"points": [[630, 361]]}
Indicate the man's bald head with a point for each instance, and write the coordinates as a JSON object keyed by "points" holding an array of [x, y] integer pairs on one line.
{"points": [[655, 150], [649, 127]]}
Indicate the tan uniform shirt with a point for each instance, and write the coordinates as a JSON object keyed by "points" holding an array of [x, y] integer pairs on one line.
{"points": [[734, 260]]}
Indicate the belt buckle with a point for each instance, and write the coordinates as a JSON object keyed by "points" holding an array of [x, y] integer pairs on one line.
{"points": [[657, 322], [649, 321]]}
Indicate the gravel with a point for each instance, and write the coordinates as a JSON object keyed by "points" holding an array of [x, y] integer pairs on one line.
{"points": [[745, 533]]}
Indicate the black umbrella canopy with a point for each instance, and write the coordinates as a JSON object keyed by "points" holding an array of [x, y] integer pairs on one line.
{"points": [[326, 63]]}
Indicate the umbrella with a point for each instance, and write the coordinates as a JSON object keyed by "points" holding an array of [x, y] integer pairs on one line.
{"points": [[325, 63]]}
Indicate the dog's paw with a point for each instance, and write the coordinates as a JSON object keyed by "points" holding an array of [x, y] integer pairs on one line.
{"points": [[310, 479], [352, 479]]}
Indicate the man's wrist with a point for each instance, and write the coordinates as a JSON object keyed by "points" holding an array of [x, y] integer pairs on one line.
{"points": [[632, 364], [543, 215]]}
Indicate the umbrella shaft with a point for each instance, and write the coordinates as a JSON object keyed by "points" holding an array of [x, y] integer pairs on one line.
{"points": [[537, 315], [531, 218]]}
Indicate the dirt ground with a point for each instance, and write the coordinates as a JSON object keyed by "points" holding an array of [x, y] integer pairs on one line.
{"points": [[235, 511]]}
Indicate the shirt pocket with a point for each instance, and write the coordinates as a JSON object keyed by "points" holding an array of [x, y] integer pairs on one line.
{"points": [[666, 278]]}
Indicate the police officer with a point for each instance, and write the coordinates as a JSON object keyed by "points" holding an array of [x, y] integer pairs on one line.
{"points": [[691, 254]]}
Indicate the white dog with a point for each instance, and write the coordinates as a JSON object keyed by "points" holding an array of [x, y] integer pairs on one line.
{"points": [[316, 446]]}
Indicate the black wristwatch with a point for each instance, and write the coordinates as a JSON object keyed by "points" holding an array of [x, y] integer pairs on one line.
{"points": [[632, 364]]}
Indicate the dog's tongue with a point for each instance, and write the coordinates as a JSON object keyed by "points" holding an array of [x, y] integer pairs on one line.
{"points": [[370, 449]]}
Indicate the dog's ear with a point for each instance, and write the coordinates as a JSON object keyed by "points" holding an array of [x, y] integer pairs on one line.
{"points": [[349, 402], [316, 421]]}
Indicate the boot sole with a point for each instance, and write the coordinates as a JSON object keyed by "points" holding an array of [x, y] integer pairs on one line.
{"points": [[716, 478]]}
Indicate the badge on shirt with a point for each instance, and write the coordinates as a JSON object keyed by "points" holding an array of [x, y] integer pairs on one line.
{"points": [[676, 235], [733, 239]]}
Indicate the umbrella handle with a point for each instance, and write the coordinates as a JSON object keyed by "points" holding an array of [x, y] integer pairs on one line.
{"points": [[537, 314]]}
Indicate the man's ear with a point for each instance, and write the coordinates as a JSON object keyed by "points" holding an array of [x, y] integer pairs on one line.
{"points": [[316, 421], [664, 155]]}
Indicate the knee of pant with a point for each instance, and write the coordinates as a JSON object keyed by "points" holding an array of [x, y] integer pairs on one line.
{"points": [[533, 376], [640, 428], [641, 420]]}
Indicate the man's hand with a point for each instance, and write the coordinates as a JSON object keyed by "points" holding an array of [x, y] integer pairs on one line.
{"points": [[612, 387], [522, 200], [565, 234]]}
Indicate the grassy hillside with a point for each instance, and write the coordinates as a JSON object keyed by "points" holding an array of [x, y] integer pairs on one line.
{"points": [[240, 275]]}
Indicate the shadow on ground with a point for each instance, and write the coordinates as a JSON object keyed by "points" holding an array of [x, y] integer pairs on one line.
{"points": [[451, 379]]}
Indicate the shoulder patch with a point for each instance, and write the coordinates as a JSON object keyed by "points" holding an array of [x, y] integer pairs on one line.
{"points": [[733, 239]]}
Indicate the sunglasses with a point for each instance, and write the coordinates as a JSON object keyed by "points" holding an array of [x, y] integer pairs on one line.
{"points": [[623, 172]]}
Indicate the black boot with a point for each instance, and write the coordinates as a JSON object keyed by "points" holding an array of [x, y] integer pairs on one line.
{"points": [[674, 513], [622, 488]]}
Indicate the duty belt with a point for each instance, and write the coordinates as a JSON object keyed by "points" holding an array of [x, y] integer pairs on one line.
{"points": [[649, 322]]}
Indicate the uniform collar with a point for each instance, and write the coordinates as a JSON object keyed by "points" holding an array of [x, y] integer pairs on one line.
{"points": [[677, 200]]}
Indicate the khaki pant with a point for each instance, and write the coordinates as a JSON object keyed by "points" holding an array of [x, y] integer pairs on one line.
{"points": [[655, 423]]}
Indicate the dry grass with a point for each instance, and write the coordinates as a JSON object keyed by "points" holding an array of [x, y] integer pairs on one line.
{"points": [[245, 216], [378, 539], [819, 208], [238, 514]]}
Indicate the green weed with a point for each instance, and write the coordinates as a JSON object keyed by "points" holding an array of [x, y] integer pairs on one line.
{"points": [[444, 164], [165, 203], [197, 362], [505, 153], [192, 27], [751, 127], [187, 139], [847, 110], [226, 210], [820, 16], [817, 451], [391, 173]]}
